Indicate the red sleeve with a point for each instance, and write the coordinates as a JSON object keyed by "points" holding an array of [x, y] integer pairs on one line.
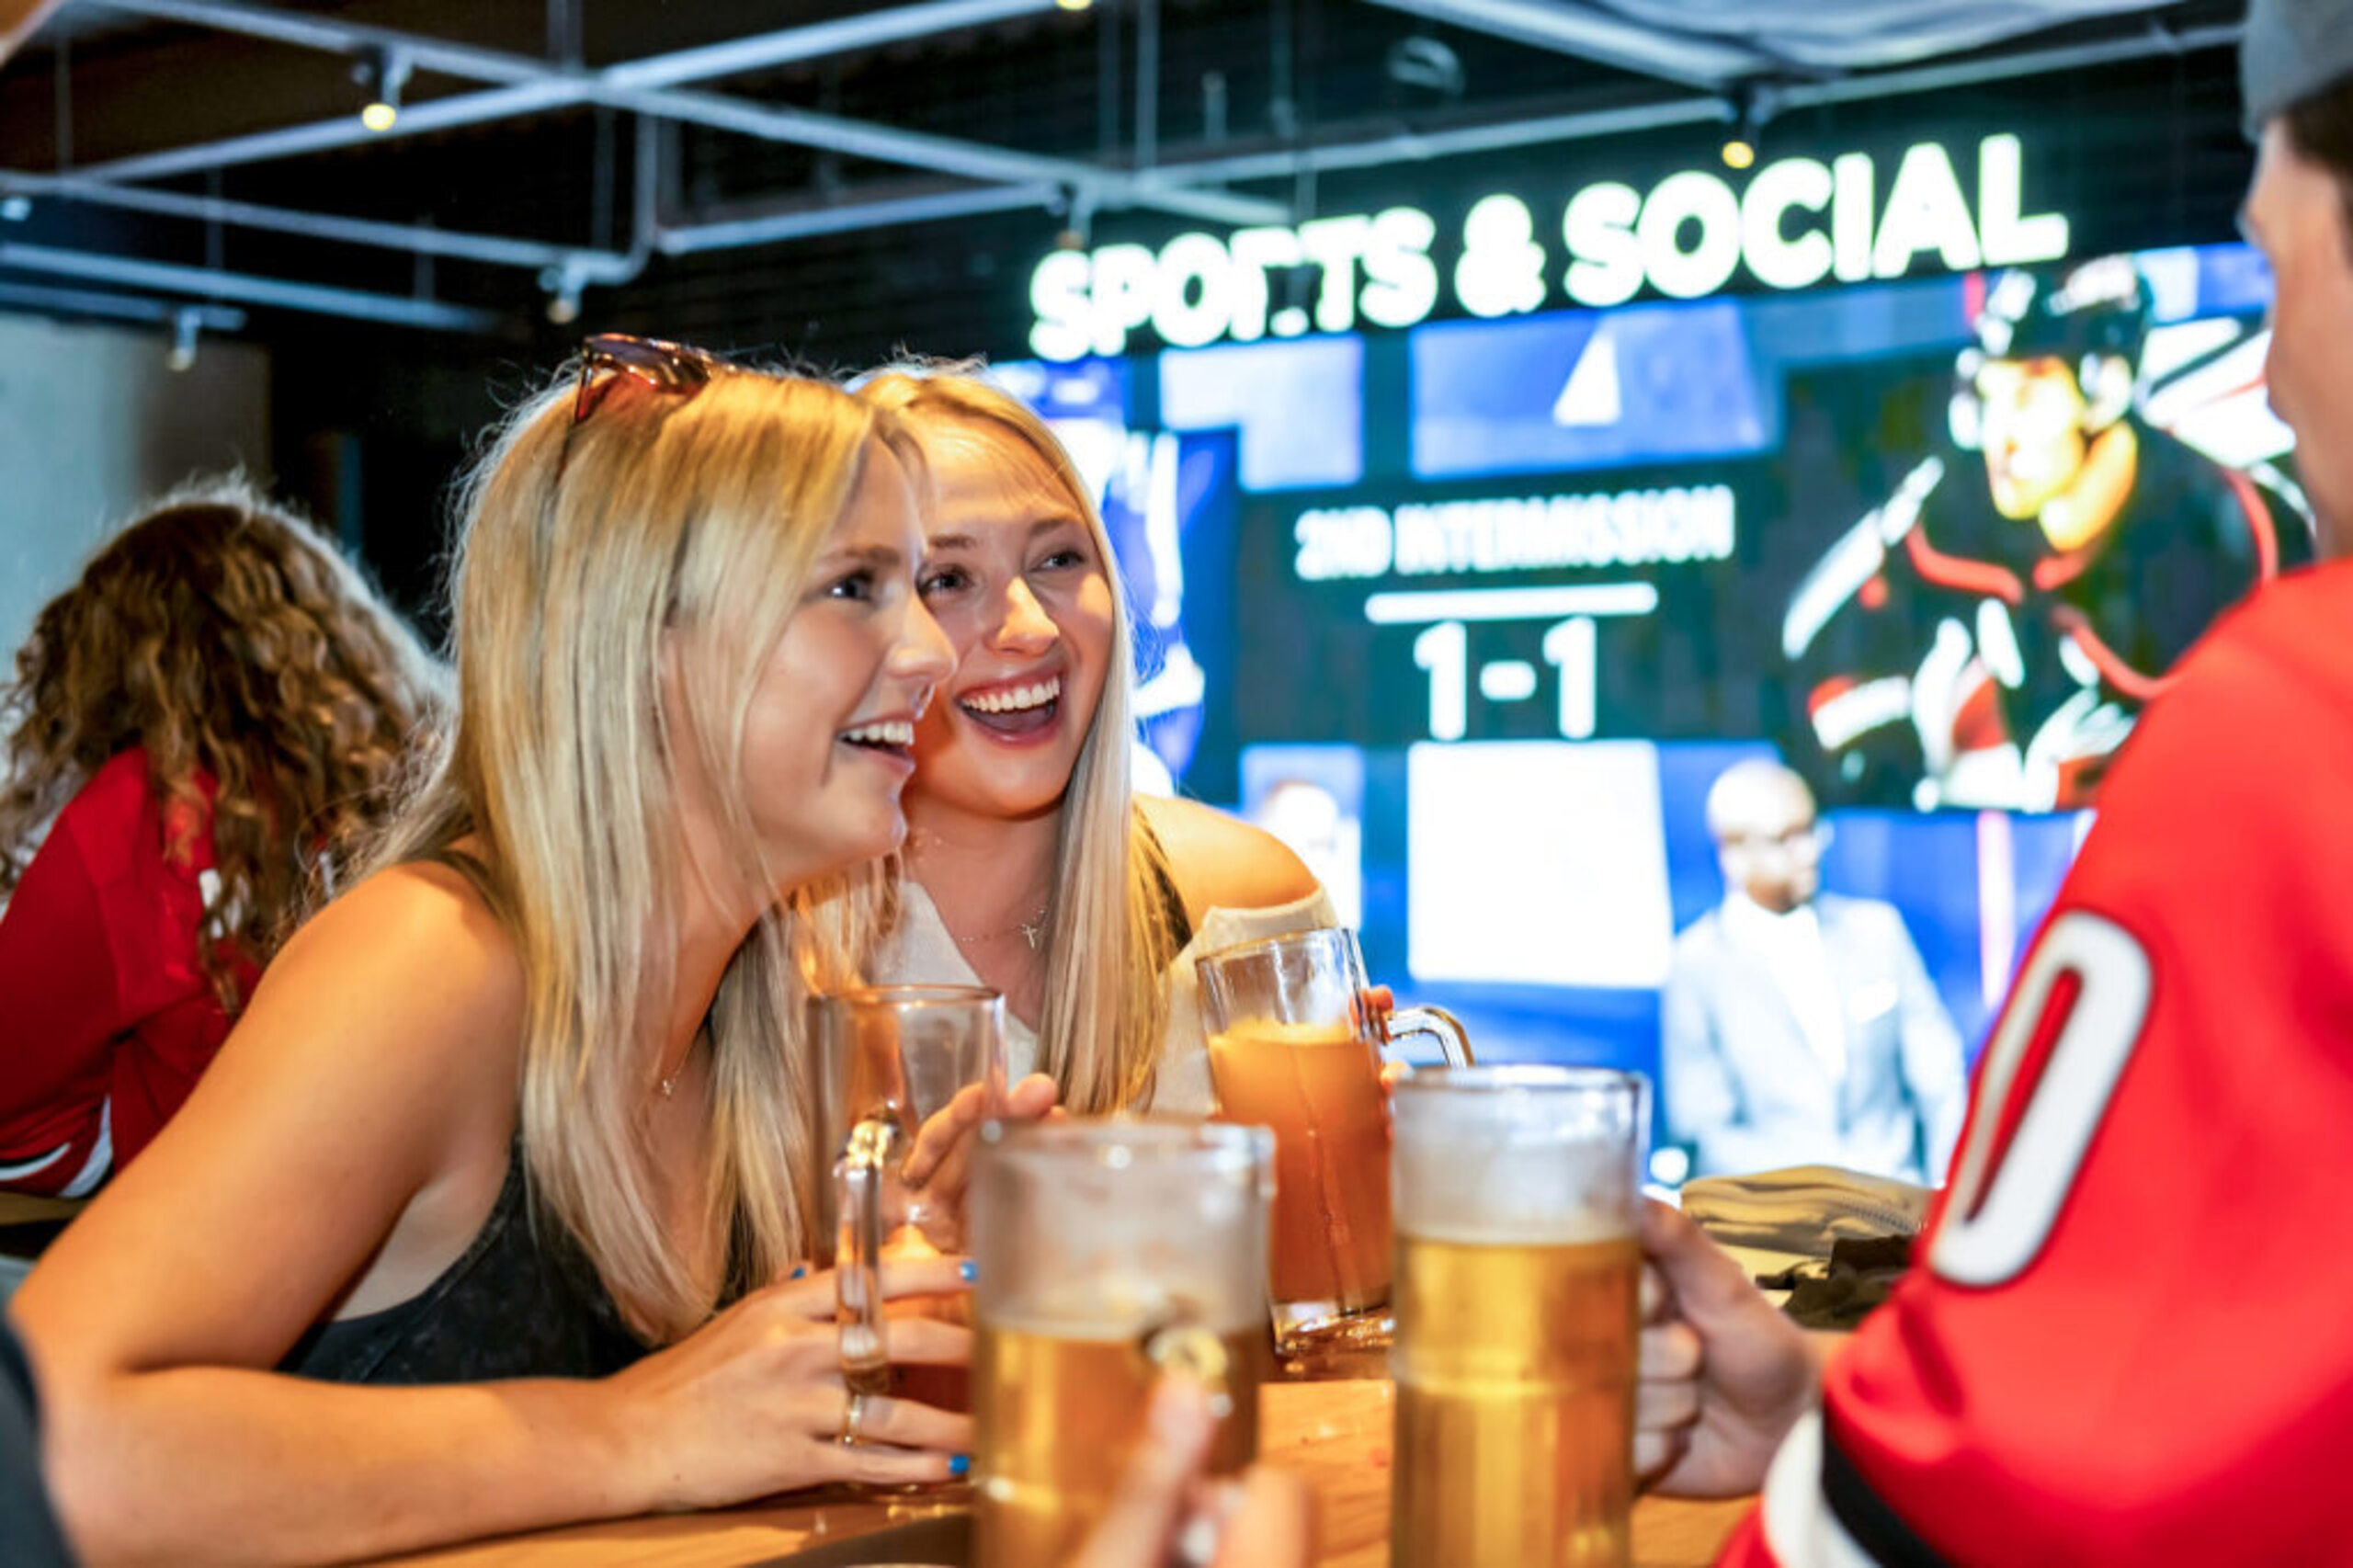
{"points": [[104, 1005], [2127, 1340], [60, 1000]]}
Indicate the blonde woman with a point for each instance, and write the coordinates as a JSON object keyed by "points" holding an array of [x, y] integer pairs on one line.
{"points": [[1029, 863], [517, 1111]]}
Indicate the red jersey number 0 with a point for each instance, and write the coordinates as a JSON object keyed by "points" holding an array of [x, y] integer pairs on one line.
{"points": [[2006, 1198]]}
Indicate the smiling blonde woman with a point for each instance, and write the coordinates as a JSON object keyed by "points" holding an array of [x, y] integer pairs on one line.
{"points": [[1030, 864], [520, 1110]]}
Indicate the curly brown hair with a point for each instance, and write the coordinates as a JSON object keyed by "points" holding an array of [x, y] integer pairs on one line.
{"points": [[220, 632]]}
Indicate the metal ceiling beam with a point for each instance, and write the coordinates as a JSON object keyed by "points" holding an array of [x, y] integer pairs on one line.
{"points": [[1583, 125], [420, 239], [1593, 34], [204, 282], [874, 29], [555, 86], [120, 307], [802, 222], [2149, 42]]}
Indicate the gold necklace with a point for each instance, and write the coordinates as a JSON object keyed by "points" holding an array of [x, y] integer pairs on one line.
{"points": [[1030, 930], [666, 1083]]}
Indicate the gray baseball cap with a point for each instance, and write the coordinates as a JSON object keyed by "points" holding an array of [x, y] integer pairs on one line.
{"points": [[2293, 50]]}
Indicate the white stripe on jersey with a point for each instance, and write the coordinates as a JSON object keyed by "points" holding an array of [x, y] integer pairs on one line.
{"points": [[1799, 1530]]}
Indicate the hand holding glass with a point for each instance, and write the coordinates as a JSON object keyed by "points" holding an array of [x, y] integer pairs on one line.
{"points": [[888, 1059], [1107, 1251], [1295, 1044]]}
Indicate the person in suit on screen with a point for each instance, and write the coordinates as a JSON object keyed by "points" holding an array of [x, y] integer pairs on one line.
{"points": [[1800, 1028]]}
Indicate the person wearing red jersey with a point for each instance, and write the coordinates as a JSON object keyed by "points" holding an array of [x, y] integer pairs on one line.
{"points": [[213, 712], [2124, 1341]]}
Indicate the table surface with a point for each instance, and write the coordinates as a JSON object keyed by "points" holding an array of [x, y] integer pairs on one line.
{"points": [[1336, 1434]]}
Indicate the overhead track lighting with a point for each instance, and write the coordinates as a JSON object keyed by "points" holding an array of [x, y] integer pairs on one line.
{"points": [[383, 73], [186, 323], [1750, 108]]}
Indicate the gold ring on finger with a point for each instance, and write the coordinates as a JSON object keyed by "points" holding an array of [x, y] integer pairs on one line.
{"points": [[853, 1418]]}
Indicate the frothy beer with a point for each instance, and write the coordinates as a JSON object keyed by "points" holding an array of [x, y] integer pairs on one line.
{"points": [[1517, 1302]]}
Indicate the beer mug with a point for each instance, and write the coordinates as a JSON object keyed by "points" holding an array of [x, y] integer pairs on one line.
{"points": [[1107, 1252], [888, 1058], [1519, 1275], [1293, 1047]]}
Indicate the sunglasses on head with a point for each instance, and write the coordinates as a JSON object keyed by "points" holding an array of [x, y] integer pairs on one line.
{"points": [[666, 367]]}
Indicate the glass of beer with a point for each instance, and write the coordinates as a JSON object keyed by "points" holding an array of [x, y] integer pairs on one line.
{"points": [[887, 1059], [1293, 1046], [1109, 1251], [1518, 1278]]}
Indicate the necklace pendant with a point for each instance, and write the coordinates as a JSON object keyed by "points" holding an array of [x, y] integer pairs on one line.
{"points": [[1030, 933]]}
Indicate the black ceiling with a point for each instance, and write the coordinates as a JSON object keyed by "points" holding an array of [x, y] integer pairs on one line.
{"points": [[98, 85]]}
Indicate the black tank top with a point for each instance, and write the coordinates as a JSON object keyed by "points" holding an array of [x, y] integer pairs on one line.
{"points": [[522, 1301]]}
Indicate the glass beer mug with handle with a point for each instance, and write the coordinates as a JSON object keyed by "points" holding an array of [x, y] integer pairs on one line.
{"points": [[1109, 1251], [1519, 1277], [887, 1059], [1294, 1046]]}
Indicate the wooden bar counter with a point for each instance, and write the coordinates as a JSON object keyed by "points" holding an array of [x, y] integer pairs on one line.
{"points": [[1336, 1434]]}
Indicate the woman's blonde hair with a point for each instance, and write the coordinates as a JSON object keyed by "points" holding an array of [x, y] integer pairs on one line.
{"points": [[1112, 931], [583, 545], [242, 651]]}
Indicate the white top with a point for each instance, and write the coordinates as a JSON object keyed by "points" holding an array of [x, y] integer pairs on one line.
{"points": [[922, 952], [1791, 947]]}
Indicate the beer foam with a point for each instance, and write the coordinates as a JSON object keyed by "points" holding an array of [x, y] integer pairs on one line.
{"points": [[1107, 1325], [1497, 1167]]}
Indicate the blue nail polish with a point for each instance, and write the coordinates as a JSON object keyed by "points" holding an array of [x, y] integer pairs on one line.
{"points": [[960, 1465], [968, 1269], [799, 1270]]}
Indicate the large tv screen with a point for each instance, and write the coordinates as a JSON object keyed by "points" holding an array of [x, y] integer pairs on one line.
{"points": [[1473, 614]]}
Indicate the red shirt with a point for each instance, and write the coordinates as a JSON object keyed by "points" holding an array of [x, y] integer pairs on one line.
{"points": [[106, 1017], [2132, 1338]]}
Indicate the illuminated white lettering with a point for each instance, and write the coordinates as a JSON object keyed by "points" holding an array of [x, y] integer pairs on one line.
{"points": [[1121, 292], [1058, 294], [1191, 297], [1502, 269], [2010, 240], [1606, 265], [1445, 650], [1335, 243], [1255, 250], [1570, 648], [1636, 527], [1401, 282], [1778, 260], [1339, 543], [1850, 216], [1926, 211], [1796, 222], [1708, 266]]}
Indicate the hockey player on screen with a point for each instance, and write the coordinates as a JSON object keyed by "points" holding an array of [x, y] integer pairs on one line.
{"points": [[2058, 560]]}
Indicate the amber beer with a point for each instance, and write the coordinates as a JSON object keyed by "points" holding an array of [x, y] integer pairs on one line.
{"points": [[1318, 1086], [1519, 1278], [1294, 1048], [1109, 1253], [1515, 1414], [1060, 1409]]}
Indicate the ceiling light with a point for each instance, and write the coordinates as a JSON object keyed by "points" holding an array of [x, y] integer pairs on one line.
{"points": [[185, 321], [1075, 4], [384, 74], [1750, 108]]}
